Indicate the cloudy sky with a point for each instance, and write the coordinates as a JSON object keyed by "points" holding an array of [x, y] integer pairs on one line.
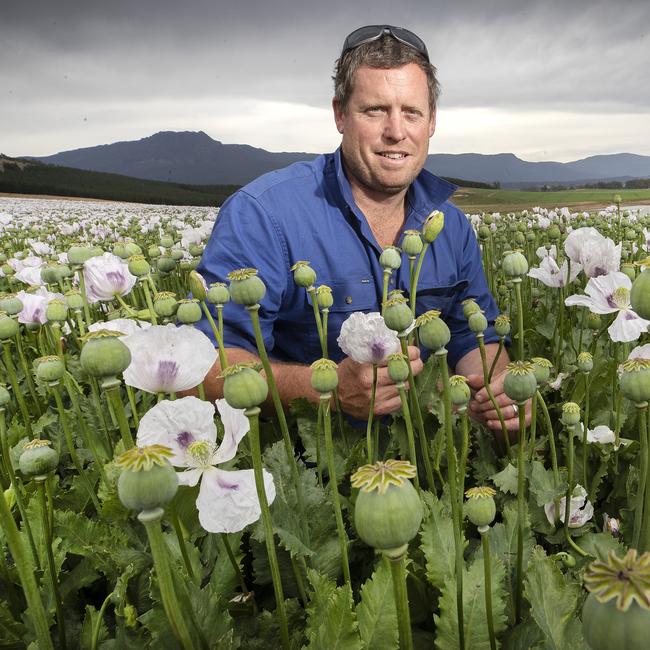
{"points": [[551, 80]]}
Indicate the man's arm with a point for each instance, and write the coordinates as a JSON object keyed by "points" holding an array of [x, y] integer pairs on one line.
{"points": [[480, 406], [294, 380]]}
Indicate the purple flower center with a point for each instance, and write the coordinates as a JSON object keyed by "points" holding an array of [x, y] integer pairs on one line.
{"points": [[378, 351], [599, 270], [167, 371], [227, 485], [116, 278], [611, 302], [184, 438]]}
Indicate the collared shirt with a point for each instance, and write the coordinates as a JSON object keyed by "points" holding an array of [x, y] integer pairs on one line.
{"points": [[306, 212]]}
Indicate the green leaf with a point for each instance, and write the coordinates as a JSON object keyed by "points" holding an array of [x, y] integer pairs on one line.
{"points": [[331, 623], [376, 613], [553, 601], [599, 545], [90, 620], [542, 484], [525, 636], [506, 479], [437, 539], [474, 608], [426, 386], [11, 631]]}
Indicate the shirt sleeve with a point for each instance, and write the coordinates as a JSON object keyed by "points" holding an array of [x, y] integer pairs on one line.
{"points": [[470, 266], [245, 235]]}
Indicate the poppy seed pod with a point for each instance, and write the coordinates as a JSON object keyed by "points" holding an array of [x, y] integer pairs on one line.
{"points": [[218, 294], [243, 386], [542, 369], [635, 380], [324, 296], [38, 459], [433, 226], [166, 263], [514, 265], [246, 287], [480, 508], [11, 304], [585, 362], [459, 391], [470, 306], [56, 310], [165, 304], [477, 322], [433, 331], [8, 327], [390, 258], [197, 285], [74, 299], [398, 367], [189, 311], [397, 314], [412, 243], [640, 294], [303, 275], [570, 414], [324, 377], [50, 368], [79, 254], [104, 355], [502, 325], [519, 383], [139, 266]]}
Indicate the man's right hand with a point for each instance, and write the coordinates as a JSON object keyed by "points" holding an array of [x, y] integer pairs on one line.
{"points": [[355, 386]]}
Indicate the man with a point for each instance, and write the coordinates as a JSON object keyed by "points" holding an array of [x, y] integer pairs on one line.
{"points": [[339, 212]]}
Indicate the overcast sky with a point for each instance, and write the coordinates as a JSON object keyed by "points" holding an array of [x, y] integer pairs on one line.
{"points": [[546, 80]]}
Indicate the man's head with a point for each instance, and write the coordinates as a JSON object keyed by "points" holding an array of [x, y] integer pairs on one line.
{"points": [[384, 107], [381, 46]]}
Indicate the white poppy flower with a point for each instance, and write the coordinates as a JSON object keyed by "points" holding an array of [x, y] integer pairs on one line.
{"points": [[227, 500], [557, 382], [608, 294], [168, 359], [598, 255], [35, 305], [30, 275], [124, 326], [365, 338], [106, 276], [580, 510], [601, 435], [550, 274], [640, 352]]}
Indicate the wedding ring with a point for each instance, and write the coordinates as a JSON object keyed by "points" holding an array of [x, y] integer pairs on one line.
{"points": [[515, 408]]}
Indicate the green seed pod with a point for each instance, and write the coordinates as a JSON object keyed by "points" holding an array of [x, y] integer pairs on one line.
{"points": [[8, 327], [397, 314], [50, 368], [147, 480], [243, 386], [139, 266], [120, 250], [530, 236], [388, 510], [566, 559], [640, 294], [514, 265], [542, 369], [616, 613], [412, 243], [433, 226], [246, 288], [153, 252], [166, 241], [324, 377], [195, 250], [520, 239], [480, 508], [177, 254], [38, 458], [7, 270], [502, 325], [554, 233], [324, 296], [585, 362], [477, 322], [398, 368], [629, 270], [5, 397], [635, 380], [104, 355], [303, 275], [188, 312], [390, 258], [484, 233], [570, 414], [594, 321], [79, 254], [218, 294], [166, 263], [470, 306], [197, 285], [519, 383], [488, 219], [433, 331], [459, 391], [57, 310], [132, 249], [165, 304], [11, 304], [74, 299]]}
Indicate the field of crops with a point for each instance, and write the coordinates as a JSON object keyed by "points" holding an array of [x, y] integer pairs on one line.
{"points": [[135, 515]]}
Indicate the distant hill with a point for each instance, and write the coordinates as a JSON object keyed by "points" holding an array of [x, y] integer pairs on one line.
{"points": [[194, 157], [22, 176]]}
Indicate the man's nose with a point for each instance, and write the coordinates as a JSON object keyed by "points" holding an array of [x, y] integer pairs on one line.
{"points": [[394, 127]]}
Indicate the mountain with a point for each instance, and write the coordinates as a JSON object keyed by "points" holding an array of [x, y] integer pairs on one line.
{"points": [[194, 157]]}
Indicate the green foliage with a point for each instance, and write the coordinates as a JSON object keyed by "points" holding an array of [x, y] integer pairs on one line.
{"points": [[437, 539], [506, 479]]}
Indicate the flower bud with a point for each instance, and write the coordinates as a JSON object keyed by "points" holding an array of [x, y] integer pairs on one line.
{"points": [[218, 294], [188, 312], [570, 414], [38, 459], [104, 355], [243, 386], [390, 258], [459, 391], [8, 327], [324, 297], [514, 265], [139, 266], [519, 383], [412, 243], [398, 368], [246, 287], [585, 362], [165, 304], [197, 285], [397, 314], [49, 369], [433, 226], [541, 369], [303, 275], [433, 331], [502, 325], [324, 377], [480, 508], [635, 380]]}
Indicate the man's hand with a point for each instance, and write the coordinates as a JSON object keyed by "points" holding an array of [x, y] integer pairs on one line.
{"points": [[355, 386], [482, 410]]}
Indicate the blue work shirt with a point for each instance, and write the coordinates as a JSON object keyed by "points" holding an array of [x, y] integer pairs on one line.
{"points": [[306, 212]]}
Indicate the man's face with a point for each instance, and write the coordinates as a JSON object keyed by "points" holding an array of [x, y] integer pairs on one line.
{"points": [[386, 128]]}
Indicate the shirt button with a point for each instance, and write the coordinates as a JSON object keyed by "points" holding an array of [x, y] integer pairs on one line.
{"points": [[348, 299]]}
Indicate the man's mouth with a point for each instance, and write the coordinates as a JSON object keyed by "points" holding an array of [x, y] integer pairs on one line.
{"points": [[393, 155]]}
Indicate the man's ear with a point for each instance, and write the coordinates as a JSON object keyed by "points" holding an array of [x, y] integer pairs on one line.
{"points": [[338, 114], [432, 123]]}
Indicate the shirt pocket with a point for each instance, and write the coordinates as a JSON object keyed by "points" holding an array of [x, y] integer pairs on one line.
{"points": [[349, 295], [443, 298]]}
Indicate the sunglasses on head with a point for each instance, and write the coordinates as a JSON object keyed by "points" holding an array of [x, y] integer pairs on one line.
{"points": [[374, 32]]}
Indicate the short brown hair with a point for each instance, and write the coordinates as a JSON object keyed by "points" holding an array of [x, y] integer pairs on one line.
{"points": [[385, 52]]}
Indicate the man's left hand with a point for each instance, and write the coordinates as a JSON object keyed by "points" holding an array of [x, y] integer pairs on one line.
{"points": [[482, 410]]}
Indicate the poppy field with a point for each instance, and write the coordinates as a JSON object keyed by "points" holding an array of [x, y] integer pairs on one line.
{"points": [[135, 512]]}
